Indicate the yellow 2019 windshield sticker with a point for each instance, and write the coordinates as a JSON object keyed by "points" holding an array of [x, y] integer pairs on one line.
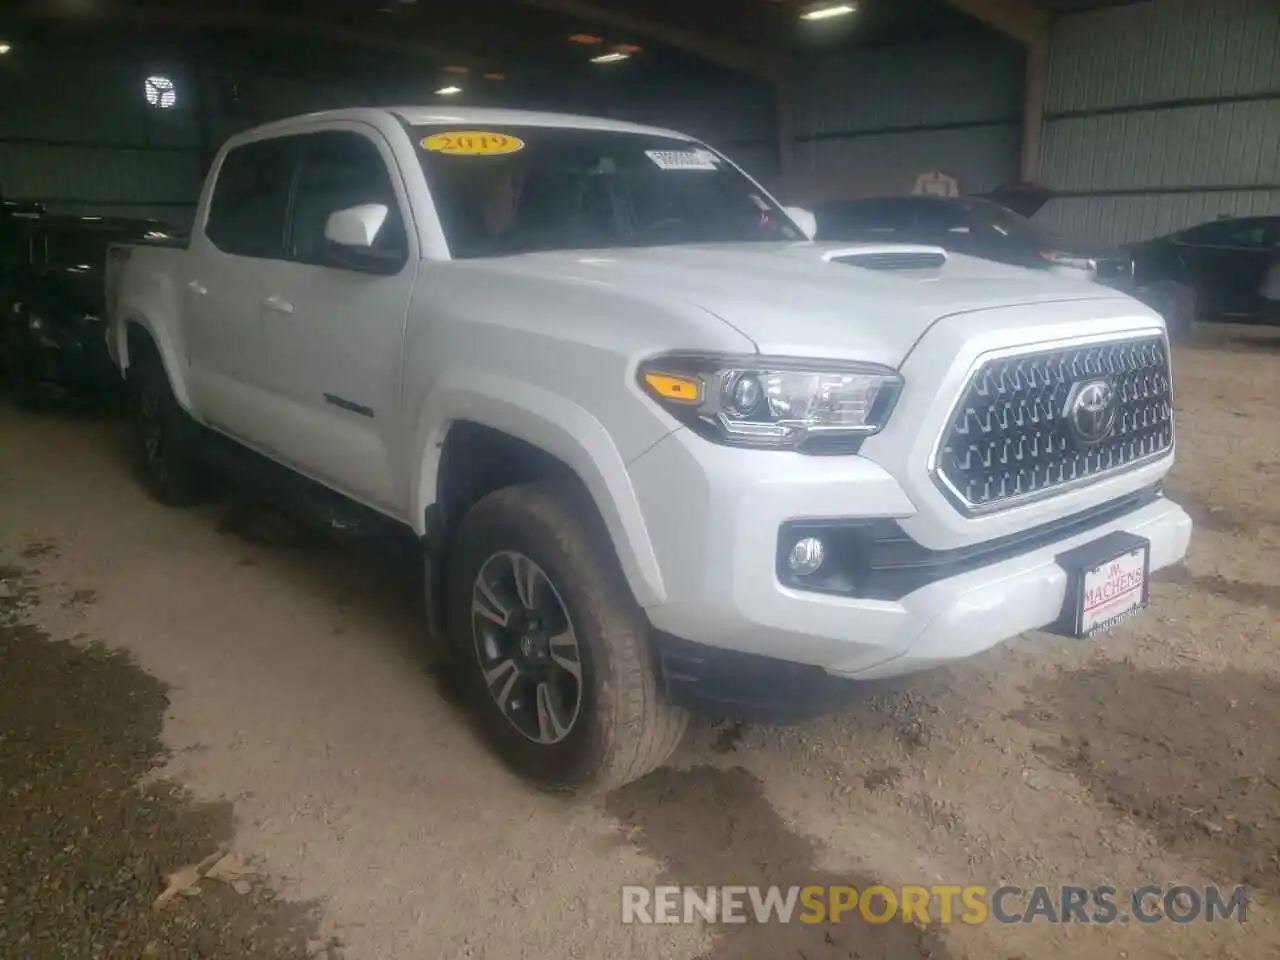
{"points": [[472, 143]]}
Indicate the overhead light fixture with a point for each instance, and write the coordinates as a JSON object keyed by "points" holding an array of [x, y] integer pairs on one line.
{"points": [[449, 91], [456, 69], [586, 39], [825, 11], [627, 48], [611, 57], [160, 92], [495, 75], [4, 48]]}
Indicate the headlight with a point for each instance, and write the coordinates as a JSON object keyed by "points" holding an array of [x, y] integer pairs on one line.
{"points": [[773, 402]]}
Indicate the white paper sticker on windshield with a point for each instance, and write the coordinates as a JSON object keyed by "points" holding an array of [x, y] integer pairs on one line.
{"points": [[682, 159]]}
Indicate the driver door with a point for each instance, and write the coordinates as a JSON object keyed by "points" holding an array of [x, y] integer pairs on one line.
{"points": [[334, 327]]}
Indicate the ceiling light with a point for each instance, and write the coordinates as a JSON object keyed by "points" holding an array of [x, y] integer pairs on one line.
{"points": [[456, 68], [586, 39], [627, 48], [611, 57], [5, 48], [449, 91], [825, 11], [495, 75]]}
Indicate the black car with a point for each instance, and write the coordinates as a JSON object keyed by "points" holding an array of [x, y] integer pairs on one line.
{"points": [[974, 226], [1226, 270], [52, 300]]}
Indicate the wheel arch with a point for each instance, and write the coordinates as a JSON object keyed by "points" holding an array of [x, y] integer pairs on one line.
{"points": [[546, 435], [136, 334]]}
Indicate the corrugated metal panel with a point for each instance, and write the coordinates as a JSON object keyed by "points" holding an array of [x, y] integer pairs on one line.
{"points": [[69, 100], [981, 158], [969, 79], [98, 173], [761, 162], [277, 97], [1222, 145], [720, 116], [1164, 50], [1126, 219]]}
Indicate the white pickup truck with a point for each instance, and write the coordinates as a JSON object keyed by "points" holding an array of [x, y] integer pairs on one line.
{"points": [[661, 450]]}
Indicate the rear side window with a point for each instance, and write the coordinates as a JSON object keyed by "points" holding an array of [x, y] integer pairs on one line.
{"points": [[69, 247], [251, 198], [938, 216], [883, 217]]}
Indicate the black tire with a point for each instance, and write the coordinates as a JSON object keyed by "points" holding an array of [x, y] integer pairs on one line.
{"points": [[623, 726], [162, 435]]}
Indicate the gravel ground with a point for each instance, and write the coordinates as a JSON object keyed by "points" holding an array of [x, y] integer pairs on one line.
{"points": [[303, 729]]}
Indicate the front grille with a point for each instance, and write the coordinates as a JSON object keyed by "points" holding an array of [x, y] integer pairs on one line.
{"points": [[1011, 438]]}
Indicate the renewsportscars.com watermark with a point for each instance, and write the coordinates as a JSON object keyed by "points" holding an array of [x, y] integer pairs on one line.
{"points": [[1169, 903]]}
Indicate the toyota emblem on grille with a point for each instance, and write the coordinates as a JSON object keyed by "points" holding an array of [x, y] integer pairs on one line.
{"points": [[1091, 410]]}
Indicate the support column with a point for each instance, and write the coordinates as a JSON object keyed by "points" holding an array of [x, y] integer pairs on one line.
{"points": [[1037, 81]]}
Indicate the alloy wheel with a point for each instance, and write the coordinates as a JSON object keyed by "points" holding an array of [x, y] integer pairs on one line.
{"points": [[152, 425], [526, 647]]}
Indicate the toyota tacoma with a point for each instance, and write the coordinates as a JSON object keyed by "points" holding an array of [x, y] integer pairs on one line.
{"points": [[662, 451]]}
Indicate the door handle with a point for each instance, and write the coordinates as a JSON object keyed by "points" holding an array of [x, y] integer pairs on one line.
{"points": [[196, 287], [278, 304]]}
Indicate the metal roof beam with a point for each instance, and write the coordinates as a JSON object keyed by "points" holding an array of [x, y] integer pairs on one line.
{"points": [[727, 53], [1017, 18]]}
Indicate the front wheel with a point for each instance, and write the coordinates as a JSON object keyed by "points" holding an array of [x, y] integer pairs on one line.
{"points": [[552, 645]]}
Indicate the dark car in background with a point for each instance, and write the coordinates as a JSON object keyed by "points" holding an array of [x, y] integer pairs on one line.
{"points": [[1225, 270], [52, 300], [974, 226]]}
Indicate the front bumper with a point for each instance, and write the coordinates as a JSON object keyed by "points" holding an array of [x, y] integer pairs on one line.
{"points": [[714, 515]]}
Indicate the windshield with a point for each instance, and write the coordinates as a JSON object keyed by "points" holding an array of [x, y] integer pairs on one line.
{"points": [[1007, 223], [521, 189]]}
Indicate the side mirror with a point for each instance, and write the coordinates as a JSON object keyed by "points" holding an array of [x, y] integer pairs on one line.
{"points": [[356, 226], [349, 236], [805, 220]]}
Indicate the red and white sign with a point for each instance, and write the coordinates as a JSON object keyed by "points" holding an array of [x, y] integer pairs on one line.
{"points": [[1113, 590]]}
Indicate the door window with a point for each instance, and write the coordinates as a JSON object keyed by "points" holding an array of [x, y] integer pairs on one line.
{"points": [[935, 217], [251, 198], [1227, 233], [341, 169]]}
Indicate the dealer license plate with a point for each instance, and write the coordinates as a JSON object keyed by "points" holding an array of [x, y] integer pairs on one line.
{"points": [[1107, 583], [1113, 592]]}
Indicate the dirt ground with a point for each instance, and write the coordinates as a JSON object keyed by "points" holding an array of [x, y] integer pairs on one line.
{"points": [[303, 728]]}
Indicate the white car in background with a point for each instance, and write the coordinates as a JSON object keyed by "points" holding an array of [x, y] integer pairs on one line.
{"points": [[660, 449]]}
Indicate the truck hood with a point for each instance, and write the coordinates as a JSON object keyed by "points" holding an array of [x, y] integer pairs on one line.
{"points": [[811, 299]]}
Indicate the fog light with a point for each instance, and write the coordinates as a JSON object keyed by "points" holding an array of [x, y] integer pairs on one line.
{"points": [[806, 556]]}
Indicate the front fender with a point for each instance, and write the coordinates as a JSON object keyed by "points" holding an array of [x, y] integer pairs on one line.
{"points": [[557, 426]]}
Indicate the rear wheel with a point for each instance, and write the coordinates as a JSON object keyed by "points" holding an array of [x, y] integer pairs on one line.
{"points": [[162, 436], [552, 646]]}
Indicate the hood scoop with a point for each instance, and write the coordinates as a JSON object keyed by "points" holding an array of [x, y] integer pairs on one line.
{"points": [[890, 256]]}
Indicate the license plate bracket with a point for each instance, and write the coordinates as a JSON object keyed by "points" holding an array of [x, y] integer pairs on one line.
{"points": [[1108, 580]]}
